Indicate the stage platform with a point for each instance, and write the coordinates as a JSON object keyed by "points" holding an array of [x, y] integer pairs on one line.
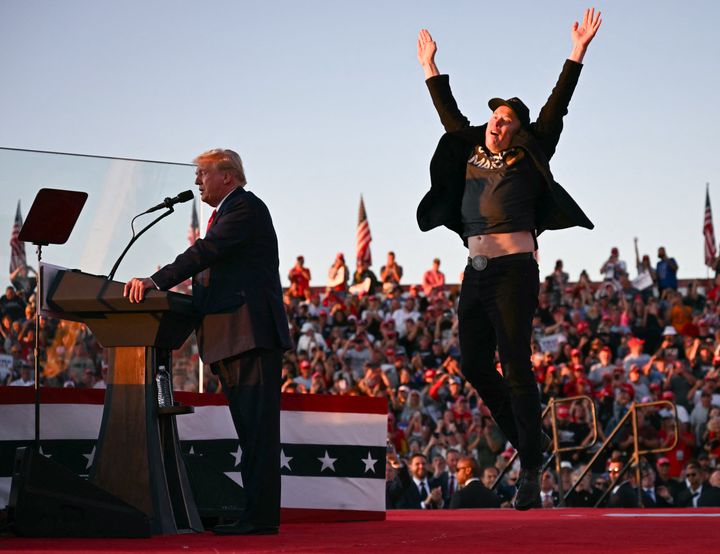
{"points": [[586, 531]]}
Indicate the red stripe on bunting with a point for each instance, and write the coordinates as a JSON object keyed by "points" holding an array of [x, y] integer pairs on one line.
{"points": [[289, 402]]}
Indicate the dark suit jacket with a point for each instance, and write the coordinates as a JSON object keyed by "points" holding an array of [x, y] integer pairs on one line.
{"points": [[659, 501], [443, 481], [625, 496], [474, 495], [442, 204], [236, 284], [402, 492], [710, 496], [583, 498]]}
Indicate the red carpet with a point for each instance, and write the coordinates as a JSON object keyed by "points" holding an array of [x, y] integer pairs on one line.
{"points": [[562, 530]]}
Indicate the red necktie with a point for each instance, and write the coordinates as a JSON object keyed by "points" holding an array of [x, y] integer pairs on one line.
{"points": [[210, 221]]}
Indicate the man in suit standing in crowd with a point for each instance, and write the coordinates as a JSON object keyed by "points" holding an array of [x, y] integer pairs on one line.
{"points": [[244, 329], [411, 489], [472, 494], [697, 492]]}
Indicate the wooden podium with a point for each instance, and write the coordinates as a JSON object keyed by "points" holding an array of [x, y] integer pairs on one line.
{"points": [[137, 458]]}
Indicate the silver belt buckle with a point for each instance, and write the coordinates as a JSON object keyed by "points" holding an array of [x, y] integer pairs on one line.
{"points": [[479, 262]]}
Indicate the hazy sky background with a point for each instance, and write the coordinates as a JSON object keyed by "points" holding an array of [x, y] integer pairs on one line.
{"points": [[325, 101]]}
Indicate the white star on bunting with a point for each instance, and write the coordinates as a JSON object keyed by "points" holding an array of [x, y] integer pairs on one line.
{"points": [[90, 457], [237, 455], [369, 463], [327, 462], [285, 460]]}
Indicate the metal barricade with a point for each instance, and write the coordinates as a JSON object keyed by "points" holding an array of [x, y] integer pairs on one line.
{"points": [[630, 415], [551, 408]]}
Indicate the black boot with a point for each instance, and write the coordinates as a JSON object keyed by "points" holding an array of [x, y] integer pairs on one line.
{"points": [[528, 490]]}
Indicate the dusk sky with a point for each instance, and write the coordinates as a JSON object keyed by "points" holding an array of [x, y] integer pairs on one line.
{"points": [[325, 101]]}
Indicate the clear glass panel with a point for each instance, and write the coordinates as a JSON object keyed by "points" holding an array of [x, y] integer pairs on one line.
{"points": [[118, 189]]}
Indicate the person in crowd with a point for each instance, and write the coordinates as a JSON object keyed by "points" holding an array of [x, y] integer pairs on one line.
{"points": [[666, 271], [310, 338], [548, 490], [473, 493], [614, 267], [643, 266], [584, 495], [653, 495], [299, 277], [624, 493], [26, 377], [364, 281], [412, 489], [338, 275], [469, 164], [390, 274], [433, 280], [696, 493]]}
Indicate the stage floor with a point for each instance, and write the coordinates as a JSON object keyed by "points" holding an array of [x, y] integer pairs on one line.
{"points": [[561, 530]]}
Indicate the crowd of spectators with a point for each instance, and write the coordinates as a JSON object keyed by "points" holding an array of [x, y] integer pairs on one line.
{"points": [[629, 336]]}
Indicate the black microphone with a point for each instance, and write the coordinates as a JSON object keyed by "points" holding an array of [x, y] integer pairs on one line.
{"points": [[169, 202]]}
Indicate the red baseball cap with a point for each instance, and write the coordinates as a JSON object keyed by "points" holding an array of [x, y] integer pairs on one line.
{"points": [[508, 452]]}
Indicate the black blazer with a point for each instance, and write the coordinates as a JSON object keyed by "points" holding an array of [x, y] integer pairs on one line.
{"points": [[710, 496], [236, 283], [442, 204], [474, 495], [659, 501], [624, 496]]}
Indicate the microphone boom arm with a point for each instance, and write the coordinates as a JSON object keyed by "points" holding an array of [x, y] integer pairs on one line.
{"points": [[134, 238]]}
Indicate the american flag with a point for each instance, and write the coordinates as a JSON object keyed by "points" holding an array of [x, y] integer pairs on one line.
{"points": [[709, 231], [194, 231], [17, 248], [363, 236]]}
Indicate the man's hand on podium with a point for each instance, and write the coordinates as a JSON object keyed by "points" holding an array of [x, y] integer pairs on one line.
{"points": [[135, 289]]}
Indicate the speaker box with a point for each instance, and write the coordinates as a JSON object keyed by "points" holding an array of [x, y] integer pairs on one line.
{"points": [[49, 500], [216, 495]]}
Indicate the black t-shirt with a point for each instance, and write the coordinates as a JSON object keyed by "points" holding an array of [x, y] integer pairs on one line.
{"points": [[499, 197]]}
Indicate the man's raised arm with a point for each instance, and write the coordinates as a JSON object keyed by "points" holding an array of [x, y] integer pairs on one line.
{"points": [[582, 34], [426, 49]]}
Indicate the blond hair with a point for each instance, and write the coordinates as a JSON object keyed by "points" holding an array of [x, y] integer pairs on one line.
{"points": [[226, 160]]}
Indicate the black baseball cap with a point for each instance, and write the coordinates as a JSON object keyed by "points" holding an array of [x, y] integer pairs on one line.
{"points": [[516, 105]]}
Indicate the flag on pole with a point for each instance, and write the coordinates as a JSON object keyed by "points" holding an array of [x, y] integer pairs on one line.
{"points": [[709, 231], [194, 231], [17, 248], [363, 236]]}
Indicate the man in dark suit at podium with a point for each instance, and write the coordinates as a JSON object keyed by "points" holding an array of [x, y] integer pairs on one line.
{"points": [[244, 329]]}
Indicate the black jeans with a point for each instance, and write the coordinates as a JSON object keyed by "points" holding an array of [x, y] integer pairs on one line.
{"points": [[495, 311]]}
